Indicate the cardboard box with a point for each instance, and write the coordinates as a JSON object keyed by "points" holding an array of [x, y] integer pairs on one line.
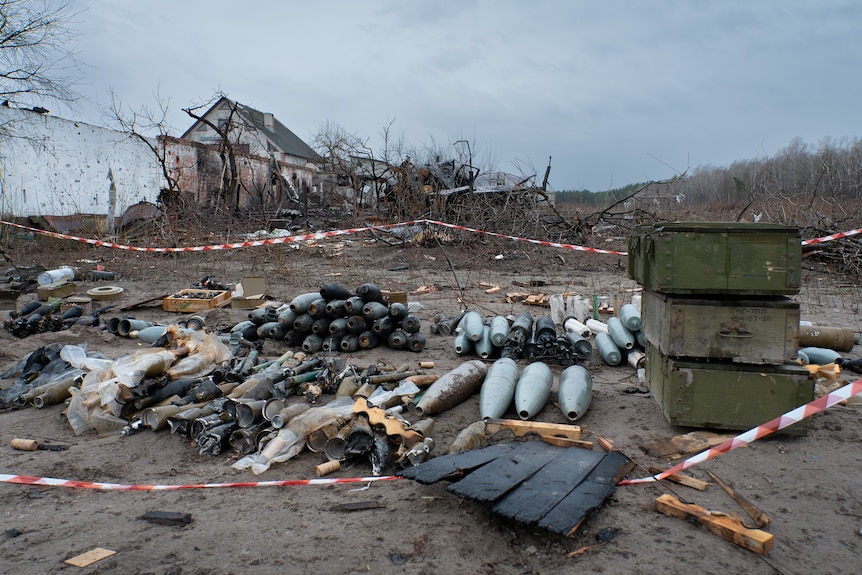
{"points": [[249, 293], [194, 300]]}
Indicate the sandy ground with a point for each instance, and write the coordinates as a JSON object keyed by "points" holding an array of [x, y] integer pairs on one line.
{"points": [[810, 486]]}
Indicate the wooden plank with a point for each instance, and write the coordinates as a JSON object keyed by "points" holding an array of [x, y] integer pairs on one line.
{"points": [[89, 557], [682, 479], [722, 525], [521, 428], [760, 518], [567, 515], [498, 477], [455, 465], [682, 445], [537, 495]]}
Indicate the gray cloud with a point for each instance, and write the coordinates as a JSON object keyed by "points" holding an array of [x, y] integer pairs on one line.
{"points": [[616, 92]]}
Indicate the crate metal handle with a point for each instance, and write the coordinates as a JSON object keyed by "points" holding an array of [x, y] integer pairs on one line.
{"points": [[734, 332]]}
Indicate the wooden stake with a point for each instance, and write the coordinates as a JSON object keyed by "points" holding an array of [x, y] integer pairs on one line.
{"points": [[721, 525], [683, 479]]}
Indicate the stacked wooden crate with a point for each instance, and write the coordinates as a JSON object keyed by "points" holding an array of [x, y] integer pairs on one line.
{"points": [[721, 331]]}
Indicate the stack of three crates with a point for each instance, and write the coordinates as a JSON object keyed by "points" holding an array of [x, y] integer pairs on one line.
{"points": [[722, 332]]}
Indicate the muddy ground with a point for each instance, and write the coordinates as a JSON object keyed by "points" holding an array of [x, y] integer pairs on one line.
{"points": [[810, 486]]}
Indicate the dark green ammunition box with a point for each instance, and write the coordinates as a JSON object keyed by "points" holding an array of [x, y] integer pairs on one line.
{"points": [[725, 395], [716, 258], [757, 331]]}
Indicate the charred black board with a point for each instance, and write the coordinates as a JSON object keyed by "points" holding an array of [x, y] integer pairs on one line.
{"points": [[455, 465], [540, 493], [568, 514], [498, 477]]}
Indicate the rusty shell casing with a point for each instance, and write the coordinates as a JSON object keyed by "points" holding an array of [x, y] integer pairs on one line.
{"points": [[156, 418], [533, 389], [837, 338], [452, 388], [423, 426], [498, 389], [348, 386], [469, 438], [54, 393], [575, 392], [327, 467]]}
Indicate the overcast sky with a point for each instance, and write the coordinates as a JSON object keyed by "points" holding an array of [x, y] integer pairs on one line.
{"points": [[617, 92]]}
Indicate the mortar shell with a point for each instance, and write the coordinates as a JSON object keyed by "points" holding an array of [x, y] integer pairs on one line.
{"points": [[498, 389], [533, 389], [575, 392]]}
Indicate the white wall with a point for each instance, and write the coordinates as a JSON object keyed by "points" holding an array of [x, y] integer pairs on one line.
{"points": [[52, 166]]}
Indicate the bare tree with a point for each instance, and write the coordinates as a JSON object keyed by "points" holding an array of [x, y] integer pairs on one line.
{"points": [[229, 132], [37, 52], [145, 125]]}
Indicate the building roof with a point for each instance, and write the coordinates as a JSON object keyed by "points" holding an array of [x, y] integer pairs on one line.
{"points": [[279, 134]]}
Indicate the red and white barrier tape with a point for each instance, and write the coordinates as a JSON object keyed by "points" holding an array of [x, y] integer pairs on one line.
{"points": [[50, 481], [237, 245], [789, 418], [332, 233], [518, 239], [300, 238], [837, 236]]}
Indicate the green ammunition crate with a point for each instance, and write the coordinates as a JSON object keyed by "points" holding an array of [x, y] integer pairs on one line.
{"points": [[757, 331], [726, 395], [716, 258]]}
